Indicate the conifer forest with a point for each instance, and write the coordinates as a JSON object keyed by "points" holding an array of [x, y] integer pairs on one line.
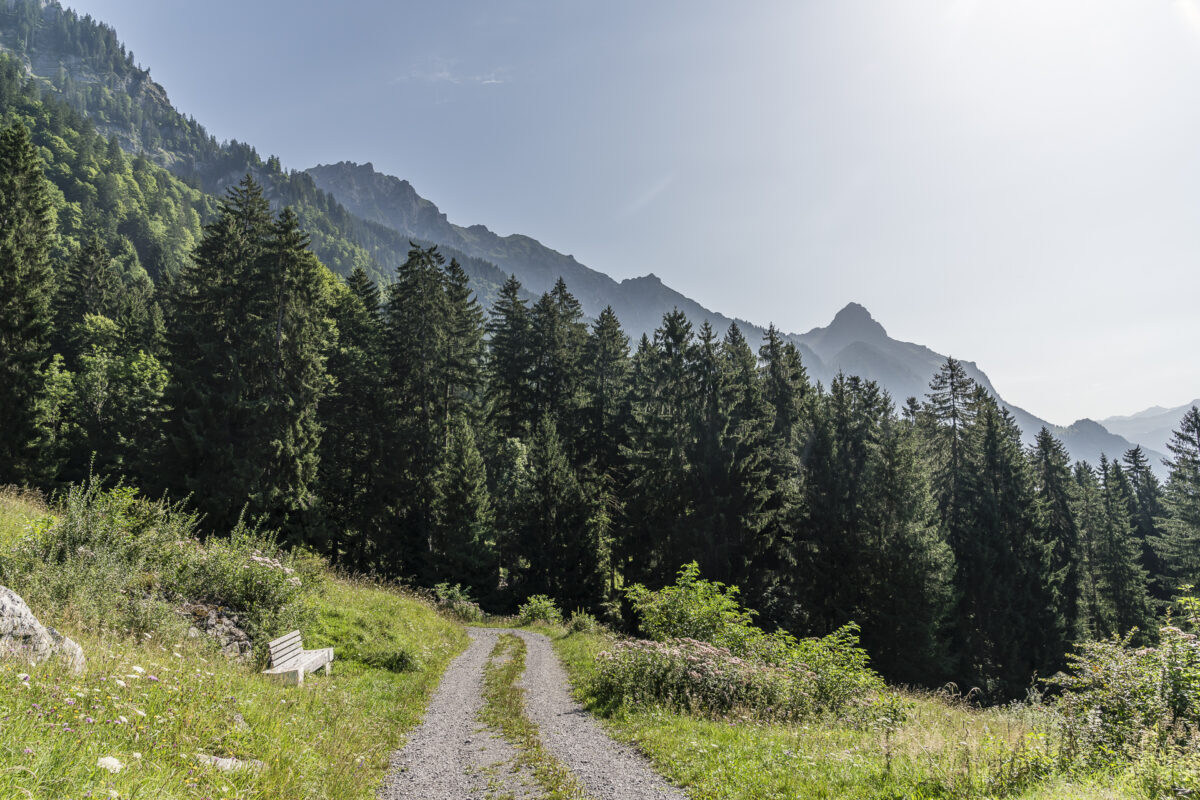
{"points": [[225, 351]]}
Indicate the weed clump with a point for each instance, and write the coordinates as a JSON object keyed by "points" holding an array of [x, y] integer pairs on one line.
{"points": [[1122, 703], [456, 601], [583, 622], [707, 656], [539, 609]]}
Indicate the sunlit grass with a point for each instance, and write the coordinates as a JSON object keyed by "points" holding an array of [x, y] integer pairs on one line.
{"points": [[18, 507], [943, 749], [153, 705]]}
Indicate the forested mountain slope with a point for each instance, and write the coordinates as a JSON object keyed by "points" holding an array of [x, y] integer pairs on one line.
{"points": [[358, 217], [853, 343], [82, 61]]}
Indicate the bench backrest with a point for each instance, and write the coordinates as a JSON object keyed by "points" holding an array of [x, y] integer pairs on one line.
{"points": [[285, 648]]}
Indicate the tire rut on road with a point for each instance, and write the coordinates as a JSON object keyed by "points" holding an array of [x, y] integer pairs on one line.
{"points": [[450, 756]]}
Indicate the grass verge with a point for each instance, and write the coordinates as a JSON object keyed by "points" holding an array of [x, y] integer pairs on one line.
{"points": [[504, 711], [155, 701], [942, 749]]}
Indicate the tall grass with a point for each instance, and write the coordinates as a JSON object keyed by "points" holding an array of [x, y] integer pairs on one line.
{"points": [[936, 746], [153, 699]]}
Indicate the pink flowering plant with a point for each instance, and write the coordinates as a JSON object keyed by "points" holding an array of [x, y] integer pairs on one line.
{"points": [[706, 656], [1120, 702]]}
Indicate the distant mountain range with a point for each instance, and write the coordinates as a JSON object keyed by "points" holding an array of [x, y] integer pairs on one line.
{"points": [[360, 217], [1152, 427], [853, 343]]}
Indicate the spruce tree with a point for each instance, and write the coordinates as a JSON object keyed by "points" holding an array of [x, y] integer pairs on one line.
{"points": [[779, 546], [1147, 510], [246, 345], [605, 380], [560, 548], [1005, 616], [1088, 509], [742, 454], [465, 546], [291, 367], [26, 288], [463, 390], [663, 409], [603, 420], [90, 286], [1121, 575], [510, 362], [557, 340], [354, 416], [415, 345], [1179, 542], [1059, 533]]}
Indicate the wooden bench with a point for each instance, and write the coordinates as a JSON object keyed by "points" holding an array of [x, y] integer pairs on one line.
{"points": [[289, 659]]}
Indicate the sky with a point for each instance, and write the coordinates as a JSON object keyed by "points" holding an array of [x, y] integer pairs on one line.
{"points": [[1012, 182]]}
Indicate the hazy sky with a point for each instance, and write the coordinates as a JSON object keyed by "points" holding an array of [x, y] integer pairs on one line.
{"points": [[1015, 183]]}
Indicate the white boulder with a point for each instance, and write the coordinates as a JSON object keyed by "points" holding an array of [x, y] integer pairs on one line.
{"points": [[23, 637]]}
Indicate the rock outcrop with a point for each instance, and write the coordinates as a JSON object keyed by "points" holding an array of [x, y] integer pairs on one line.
{"points": [[23, 637], [220, 624]]}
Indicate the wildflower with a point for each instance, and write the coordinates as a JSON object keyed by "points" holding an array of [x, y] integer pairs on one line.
{"points": [[23, 676], [137, 669], [120, 683], [28, 751], [88, 720], [152, 678], [109, 763]]}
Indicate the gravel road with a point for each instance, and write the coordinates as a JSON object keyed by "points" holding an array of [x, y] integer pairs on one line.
{"points": [[450, 756]]}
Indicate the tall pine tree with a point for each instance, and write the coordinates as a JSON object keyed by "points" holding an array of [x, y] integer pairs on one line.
{"points": [[26, 287]]}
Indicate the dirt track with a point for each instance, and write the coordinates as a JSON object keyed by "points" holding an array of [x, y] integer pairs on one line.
{"points": [[451, 756]]}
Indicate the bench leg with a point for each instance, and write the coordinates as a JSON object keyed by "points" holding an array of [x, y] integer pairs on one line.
{"points": [[328, 668]]}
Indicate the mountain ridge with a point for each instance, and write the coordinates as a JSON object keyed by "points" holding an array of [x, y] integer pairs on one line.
{"points": [[360, 217], [853, 342]]}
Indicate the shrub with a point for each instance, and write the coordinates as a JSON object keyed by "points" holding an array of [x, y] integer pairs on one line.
{"points": [[698, 622], [689, 675], [694, 608], [457, 602], [539, 608], [114, 560], [699, 677], [1121, 703], [582, 622]]}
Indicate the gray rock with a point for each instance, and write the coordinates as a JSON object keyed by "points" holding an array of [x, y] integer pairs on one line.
{"points": [[23, 637], [220, 624]]}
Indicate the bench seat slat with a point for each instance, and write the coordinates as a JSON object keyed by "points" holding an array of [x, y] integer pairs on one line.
{"points": [[285, 653], [287, 639]]}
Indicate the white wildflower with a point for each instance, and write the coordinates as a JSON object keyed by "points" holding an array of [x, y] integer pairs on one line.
{"points": [[109, 763]]}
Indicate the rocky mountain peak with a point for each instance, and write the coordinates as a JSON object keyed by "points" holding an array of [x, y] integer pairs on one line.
{"points": [[854, 321]]}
